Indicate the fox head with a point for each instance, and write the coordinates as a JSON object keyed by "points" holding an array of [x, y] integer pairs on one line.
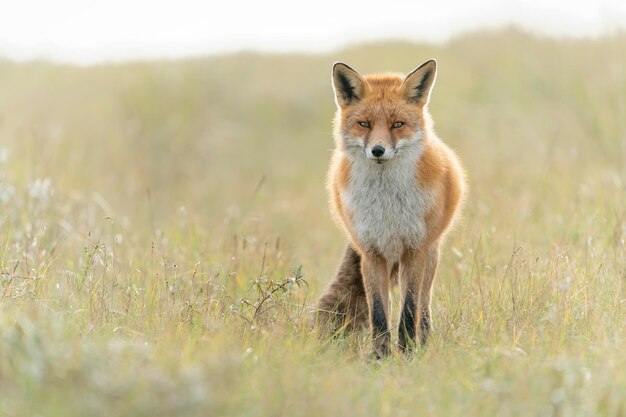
{"points": [[380, 117]]}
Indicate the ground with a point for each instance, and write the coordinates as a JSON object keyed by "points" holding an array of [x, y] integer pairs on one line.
{"points": [[165, 232]]}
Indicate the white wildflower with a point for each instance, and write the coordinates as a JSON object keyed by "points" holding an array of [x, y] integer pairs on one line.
{"points": [[7, 192], [40, 189], [4, 155]]}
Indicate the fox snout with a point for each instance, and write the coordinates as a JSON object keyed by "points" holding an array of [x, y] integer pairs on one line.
{"points": [[379, 152]]}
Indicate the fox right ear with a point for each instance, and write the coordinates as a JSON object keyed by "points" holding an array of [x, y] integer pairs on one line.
{"points": [[348, 84], [419, 83]]}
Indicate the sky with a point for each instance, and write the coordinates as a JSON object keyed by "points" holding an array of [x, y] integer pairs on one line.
{"points": [[92, 31]]}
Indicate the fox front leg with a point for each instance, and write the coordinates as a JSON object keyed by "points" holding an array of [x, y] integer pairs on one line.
{"points": [[376, 280], [411, 277]]}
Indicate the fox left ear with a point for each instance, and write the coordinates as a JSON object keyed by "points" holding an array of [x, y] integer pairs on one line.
{"points": [[418, 83], [348, 84]]}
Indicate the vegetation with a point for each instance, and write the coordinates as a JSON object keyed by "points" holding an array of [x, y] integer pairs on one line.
{"points": [[165, 232]]}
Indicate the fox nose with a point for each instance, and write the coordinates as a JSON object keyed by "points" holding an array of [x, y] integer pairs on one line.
{"points": [[378, 151]]}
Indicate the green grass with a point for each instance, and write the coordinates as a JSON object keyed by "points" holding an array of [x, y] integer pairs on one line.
{"points": [[168, 264]]}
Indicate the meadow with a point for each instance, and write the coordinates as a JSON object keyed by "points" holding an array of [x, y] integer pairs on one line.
{"points": [[164, 235]]}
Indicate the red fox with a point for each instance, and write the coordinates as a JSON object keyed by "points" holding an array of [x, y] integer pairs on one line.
{"points": [[395, 188]]}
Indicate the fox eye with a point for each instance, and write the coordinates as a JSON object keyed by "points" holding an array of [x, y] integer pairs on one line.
{"points": [[364, 124], [397, 125]]}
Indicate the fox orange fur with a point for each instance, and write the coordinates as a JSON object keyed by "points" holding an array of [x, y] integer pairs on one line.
{"points": [[395, 188]]}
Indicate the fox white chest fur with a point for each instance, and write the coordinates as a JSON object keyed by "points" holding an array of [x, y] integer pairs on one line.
{"points": [[387, 206]]}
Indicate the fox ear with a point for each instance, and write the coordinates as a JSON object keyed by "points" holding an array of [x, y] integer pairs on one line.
{"points": [[419, 82], [348, 84]]}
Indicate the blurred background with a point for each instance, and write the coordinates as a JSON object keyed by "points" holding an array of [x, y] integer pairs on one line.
{"points": [[80, 32]]}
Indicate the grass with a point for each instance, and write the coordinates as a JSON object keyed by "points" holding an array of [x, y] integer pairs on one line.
{"points": [[164, 232]]}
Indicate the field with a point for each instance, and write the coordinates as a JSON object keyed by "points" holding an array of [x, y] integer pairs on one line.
{"points": [[164, 234]]}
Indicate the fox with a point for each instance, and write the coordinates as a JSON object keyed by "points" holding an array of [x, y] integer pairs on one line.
{"points": [[395, 189]]}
